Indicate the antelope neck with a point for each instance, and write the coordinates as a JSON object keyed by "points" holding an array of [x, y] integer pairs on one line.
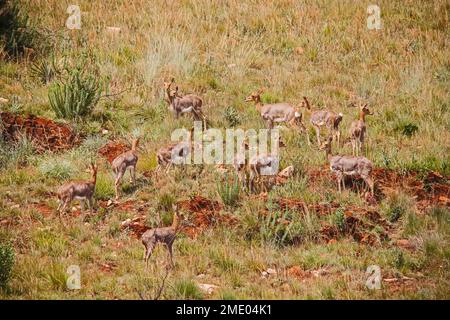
{"points": [[362, 116]]}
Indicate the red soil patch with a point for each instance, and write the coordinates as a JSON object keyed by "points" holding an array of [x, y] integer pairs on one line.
{"points": [[45, 134], [43, 209], [112, 149], [203, 213], [433, 190]]}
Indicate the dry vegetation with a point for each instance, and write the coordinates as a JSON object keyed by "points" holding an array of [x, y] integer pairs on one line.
{"points": [[319, 242]]}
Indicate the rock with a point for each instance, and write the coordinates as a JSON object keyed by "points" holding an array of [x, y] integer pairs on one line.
{"points": [[109, 203], [207, 288], [287, 172], [16, 206], [3, 100], [104, 131], [126, 223]]}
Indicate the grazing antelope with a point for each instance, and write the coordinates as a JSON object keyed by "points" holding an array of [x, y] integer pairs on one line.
{"points": [[343, 166], [262, 165], [174, 153], [77, 190], [276, 112], [184, 104], [164, 235], [326, 118], [358, 130], [124, 161]]}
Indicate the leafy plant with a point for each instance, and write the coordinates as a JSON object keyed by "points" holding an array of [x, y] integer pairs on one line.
{"points": [[232, 117], [76, 95], [7, 259], [229, 191], [16, 31], [407, 129], [339, 219], [276, 227], [44, 70]]}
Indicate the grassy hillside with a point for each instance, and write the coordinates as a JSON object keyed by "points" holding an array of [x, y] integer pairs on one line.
{"points": [[223, 51]]}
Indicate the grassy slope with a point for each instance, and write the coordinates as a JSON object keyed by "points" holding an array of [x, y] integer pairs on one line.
{"points": [[223, 52]]}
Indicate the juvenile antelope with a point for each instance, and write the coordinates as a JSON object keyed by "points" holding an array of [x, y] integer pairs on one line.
{"points": [[240, 163], [189, 103], [77, 190], [358, 130], [343, 166], [164, 235], [173, 153], [276, 112], [324, 118], [262, 165], [124, 161]]}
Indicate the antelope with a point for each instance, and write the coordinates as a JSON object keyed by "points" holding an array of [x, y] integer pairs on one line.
{"points": [[240, 163], [77, 190], [262, 165], [164, 235], [343, 166], [326, 118], [124, 161], [358, 130], [276, 112], [183, 104], [174, 153]]}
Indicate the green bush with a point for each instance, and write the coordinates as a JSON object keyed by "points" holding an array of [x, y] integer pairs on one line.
{"points": [[7, 258], [232, 116], [229, 191], [76, 95], [17, 33]]}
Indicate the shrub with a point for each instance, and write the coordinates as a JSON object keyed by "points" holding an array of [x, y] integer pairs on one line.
{"points": [[339, 219], [229, 191], [407, 129], [15, 154], [16, 31], [44, 70], [396, 206], [56, 168], [7, 258], [232, 117], [187, 289], [75, 96]]}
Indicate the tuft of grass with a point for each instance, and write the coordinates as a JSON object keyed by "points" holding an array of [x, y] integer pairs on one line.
{"points": [[56, 169], [7, 259], [104, 188], [396, 206], [229, 191], [187, 289], [232, 116]]}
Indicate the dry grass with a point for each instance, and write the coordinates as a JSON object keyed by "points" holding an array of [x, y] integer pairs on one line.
{"points": [[223, 51]]}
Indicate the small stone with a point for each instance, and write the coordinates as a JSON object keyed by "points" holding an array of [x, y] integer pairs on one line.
{"points": [[207, 288]]}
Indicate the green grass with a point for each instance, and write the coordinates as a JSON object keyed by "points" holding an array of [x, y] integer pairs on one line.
{"points": [[223, 52]]}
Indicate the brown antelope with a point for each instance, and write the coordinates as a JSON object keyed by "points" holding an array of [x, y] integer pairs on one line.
{"points": [[77, 190], [343, 166], [262, 165], [276, 112], [174, 153], [189, 103], [324, 118], [124, 161], [164, 235], [358, 130]]}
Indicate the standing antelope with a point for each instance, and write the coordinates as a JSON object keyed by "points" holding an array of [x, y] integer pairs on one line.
{"points": [[326, 118], [262, 165], [183, 104], [77, 190], [349, 166], [358, 130], [164, 235], [124, 161], [276, 112], [174, 153]]}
